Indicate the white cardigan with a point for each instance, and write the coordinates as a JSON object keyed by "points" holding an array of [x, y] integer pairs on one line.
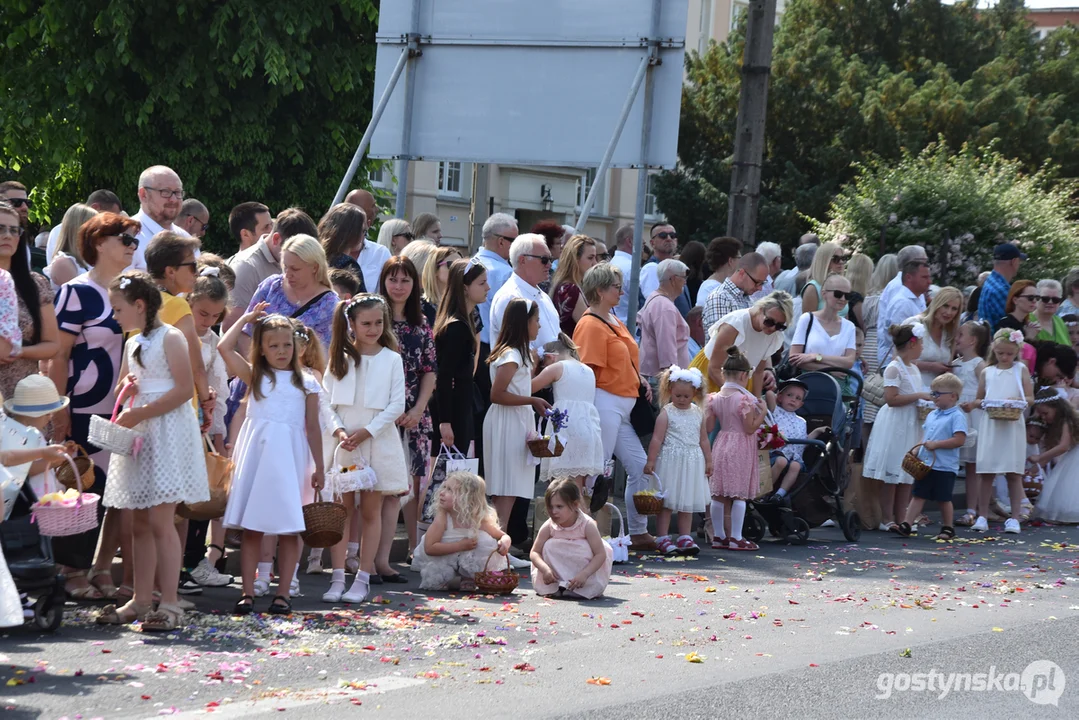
{"points": [[384, 390]]}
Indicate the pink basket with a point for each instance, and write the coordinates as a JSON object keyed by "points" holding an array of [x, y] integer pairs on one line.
{"points": [[64, 520]]}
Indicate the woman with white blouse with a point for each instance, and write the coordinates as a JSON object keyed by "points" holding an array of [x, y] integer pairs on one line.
{"points": [[823, 339], [941, 319]]}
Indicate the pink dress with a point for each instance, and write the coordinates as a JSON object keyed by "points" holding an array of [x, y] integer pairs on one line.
{"points": [[567, 552], [735, 473]]}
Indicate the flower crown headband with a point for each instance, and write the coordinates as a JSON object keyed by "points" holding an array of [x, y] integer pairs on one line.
{"points": [[692, 376], [364, 298], [1062, 395]]}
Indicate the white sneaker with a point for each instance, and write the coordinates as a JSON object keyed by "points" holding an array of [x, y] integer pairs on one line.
{"points": [[294, 587], [518, 563], [980, 525], [1011, 525], [207, 575], [262, 586], [360, 587], [333, 595]]}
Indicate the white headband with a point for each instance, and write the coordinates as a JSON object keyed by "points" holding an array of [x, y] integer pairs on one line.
{"points": [[918, 330], [1062, 394], [210, 271], [692, 376]]}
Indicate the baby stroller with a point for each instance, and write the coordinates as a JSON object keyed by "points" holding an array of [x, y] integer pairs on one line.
{"points": [[817, 496], [29, 559]]}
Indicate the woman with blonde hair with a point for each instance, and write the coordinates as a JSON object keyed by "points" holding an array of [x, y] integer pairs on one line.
{"points": [[302, 290], [859, 272], [829, 259], [426, 226], [433, 278], [394, 235], [68, 262], [578, 256], [941, 320], [418, 252]]}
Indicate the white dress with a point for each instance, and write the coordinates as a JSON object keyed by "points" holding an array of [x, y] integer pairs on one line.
{"points": [[218, 378], [170, 468], [680, 465], [272, 479], [1059, 499], [932, 352], [1002, 444], [896, 429], [575, 392], [438, 570], [506, 459], [10, 607], [965, 371]]}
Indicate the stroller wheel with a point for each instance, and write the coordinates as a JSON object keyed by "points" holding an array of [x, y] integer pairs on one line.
{"points": [[800, 532], [753, 527], [48, 613], [852, 526]]}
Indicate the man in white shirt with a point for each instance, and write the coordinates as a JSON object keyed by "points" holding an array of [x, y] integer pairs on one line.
{"points": [[885, 315], [499, 232], [623, 260], [161, 195], [371, 256], [531, 261], [773, 255], [905, 303], [100, 200]]}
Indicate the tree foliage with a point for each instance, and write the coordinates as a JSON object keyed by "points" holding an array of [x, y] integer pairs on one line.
{"points": [[958, 206], [861, 80], [246, 99]]}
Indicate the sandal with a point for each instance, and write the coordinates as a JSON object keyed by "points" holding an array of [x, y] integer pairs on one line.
{"points": [[889, 527], [923, 520], [124, 615], [281, 605], [686, 547], [965, 520], [107, 588], [125, 592], [904, 529], [82, 593], [244, 606], [743, 544], [947, 533], [165, 619]]}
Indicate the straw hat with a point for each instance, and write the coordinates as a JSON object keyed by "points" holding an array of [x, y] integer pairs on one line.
{"points": [[35, 396]]}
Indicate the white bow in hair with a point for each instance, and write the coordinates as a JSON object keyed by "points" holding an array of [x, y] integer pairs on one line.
{"points": [[142, 341], [918, 330], [124, 282], [210, 271], [691, 375]]}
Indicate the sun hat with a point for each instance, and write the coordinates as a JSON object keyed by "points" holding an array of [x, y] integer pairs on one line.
{"points": [[35, 396]]}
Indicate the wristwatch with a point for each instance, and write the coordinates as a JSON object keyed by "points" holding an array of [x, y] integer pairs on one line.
{"points": [[818, 357]]}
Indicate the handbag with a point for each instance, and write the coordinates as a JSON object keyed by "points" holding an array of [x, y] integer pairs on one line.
{"points": [[641, 416], [619, 543], [787, 370], [219, 475], [449, 460], [107, 435], [873, 385]]}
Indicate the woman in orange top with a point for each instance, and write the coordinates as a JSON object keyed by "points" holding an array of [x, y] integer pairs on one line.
{"points": [[606, 346]]}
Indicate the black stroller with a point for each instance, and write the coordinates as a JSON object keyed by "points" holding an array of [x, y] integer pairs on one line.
{"points": [[29, 559], [817, 496]]}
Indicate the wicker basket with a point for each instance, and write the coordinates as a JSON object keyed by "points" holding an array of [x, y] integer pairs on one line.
{"points": [[82, 474], [65, 520], [1004, 413], [647, 504], [107, 435], [341, 480], [913, 465], [324, 524], [541, 447], [497, 582]]}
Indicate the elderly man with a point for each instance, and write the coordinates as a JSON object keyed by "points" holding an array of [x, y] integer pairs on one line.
{"points": [[906, 302], [906, 255], [991, 303], [161, 195], [664, 240], [100, 200], [531, 262], [371, 256], [248, 222], [499, 232], [734, 293], [194, 218], [803, 259], [773, 255]]}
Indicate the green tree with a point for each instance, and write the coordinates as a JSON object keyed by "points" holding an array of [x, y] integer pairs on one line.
{"points": [[853, 81], [246, 99]]}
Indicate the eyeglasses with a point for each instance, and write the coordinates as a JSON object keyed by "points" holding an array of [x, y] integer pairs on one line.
{"points": [[13, 230], [545, 259], [756, 282], [205, 226], [193, 265], [409, 236], [839, 259], [167, 194], [1032, 298], [19, 202], [666, 236], [840, 295], [769, 322], [616, 287], [129, 240], [1050, 300], [940, 393], [506, 238]]}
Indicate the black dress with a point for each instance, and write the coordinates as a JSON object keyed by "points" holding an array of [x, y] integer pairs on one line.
{"points": [[455, 388]]}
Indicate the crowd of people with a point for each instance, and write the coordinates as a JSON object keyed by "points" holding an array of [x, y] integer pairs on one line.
{"points": [[405, 378]]}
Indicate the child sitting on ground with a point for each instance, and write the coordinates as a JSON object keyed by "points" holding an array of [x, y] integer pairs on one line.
{"points": [[787, 461], [569, 558]]}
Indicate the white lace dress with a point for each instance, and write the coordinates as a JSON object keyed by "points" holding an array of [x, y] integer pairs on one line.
{"points": [[436, 571], [170, 468], [896, 429], [575, 392], [272, 479], [680, 465], [965, 370]]}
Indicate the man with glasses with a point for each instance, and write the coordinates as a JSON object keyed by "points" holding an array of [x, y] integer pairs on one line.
{"points": [[907, 254], [194, 218], [161, 197], [1006, 260], [15, 193], [736, 290], [499, 232], [664, 241], [531, 261]]}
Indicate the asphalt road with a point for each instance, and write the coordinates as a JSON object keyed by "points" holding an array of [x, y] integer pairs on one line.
{"points": [[828, 629]]}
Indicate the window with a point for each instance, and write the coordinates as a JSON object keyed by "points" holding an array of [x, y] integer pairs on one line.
{"points": [[584, 185], [650, 208], [377, 176], [738, 9], [449, 178]]}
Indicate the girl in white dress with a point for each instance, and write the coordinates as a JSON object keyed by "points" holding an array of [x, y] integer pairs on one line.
{"points": [[278, 451], [897, 429], [1002, 444], [156, 369], [575, 393], [506, 459], [366, 386], [972, 344], [1059, 498], [462, 537], [681, 457]]}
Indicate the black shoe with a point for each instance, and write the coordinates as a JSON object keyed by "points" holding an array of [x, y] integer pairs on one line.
{"points": [[187, 585], [393, 579], [281, 605], [374, 579], [601, 492]]}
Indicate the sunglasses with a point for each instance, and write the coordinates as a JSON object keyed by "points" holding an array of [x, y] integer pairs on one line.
{"points": [[1050, 300], [19, 202], [1032, 298], [769, 322], [545, 259], [940, 393], [409, 236], [506, 238], [666, 236], [129, 240], [193, 265], [839, 258], [840, 295]]}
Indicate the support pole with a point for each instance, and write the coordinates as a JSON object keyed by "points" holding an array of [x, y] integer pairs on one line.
{"points": [[642, 173], [752, 114], [478, 211], [406, 124], [375, 117]]}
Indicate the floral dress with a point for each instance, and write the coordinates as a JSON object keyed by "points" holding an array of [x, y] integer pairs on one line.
{"points": [[16, 370], [565, 299], [418, 355]]}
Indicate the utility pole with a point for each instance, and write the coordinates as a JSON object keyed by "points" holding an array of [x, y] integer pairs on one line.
{"points": [[752, 116]]}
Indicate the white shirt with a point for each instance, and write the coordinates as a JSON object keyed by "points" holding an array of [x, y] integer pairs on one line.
{"points": [[372, 258], [756, 346], [517, 287], [498, 272], [624, 262], [649, 279], [146, 234], [903, 304], [54, 240], [820, 342], [707, 287], [785, 281]]}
